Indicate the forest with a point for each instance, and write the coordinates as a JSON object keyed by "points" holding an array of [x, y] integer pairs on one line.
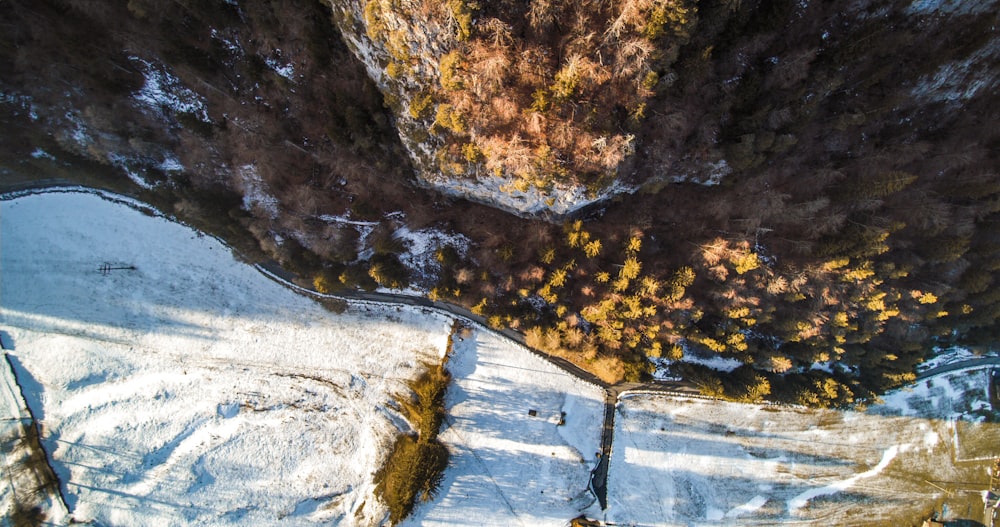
{"points": [[807, 188]]}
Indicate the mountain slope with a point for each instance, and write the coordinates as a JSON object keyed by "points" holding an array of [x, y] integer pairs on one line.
{"points": [[808, 189]]}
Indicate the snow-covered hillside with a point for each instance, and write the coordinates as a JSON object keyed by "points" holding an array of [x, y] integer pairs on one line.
{"points": [[680, 461], [178, 386], [191, 389], [513, 463]]}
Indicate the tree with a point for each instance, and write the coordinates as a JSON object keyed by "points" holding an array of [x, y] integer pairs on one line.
{"points": [[745, 262], [328, 281], [630, 269], [634, 245], [558, 278], [388, 271], [592, 249]]}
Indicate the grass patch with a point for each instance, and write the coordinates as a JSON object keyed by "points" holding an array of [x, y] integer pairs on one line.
{"points": [[416, 464]]}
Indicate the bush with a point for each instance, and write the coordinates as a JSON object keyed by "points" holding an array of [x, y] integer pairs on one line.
{"points": [[356, 276], [414, 471], [637, 368], [328, 280], [387, 270], [416, 464]]}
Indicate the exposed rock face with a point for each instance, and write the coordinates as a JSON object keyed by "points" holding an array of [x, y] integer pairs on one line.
{"points": [[540, 108], [530, 107]]}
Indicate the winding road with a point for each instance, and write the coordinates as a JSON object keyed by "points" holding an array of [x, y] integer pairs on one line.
{"points": [[612, 392], [599, 476]]}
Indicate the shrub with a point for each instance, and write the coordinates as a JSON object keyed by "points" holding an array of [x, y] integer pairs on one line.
{"points": [[462, 13], [328, 281], [387, 270], [450, 118], [357, 276], [449, 68], [415, 466], [414, 471], [566, 80], [420, 105]]}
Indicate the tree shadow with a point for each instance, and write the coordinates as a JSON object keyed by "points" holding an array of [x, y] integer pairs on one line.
{"points": [[509, 459], [32, 390], [81, 264], [6, 341]]}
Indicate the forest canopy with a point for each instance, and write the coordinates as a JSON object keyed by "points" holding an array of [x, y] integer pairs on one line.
{"points": [[806, 191]]}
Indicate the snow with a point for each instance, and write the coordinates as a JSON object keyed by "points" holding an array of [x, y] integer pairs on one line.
{"points": [[946, 357], [163, 91], [12, 407], [959, 81], [950, 7], [123, 163], [364, 229], [171, 164], [184, 387], [38, 153], [716, 171], [192, 389], [694, 355], [749, 507], [952, 396], [419, 257], [715, 362], [231, 44], [801, 500], [347, 221], [690, 461], [826, 366], [285, 70], [78, 132], [507, 467], [21, 103], [255, 196], [499, 192], [20, 485]]}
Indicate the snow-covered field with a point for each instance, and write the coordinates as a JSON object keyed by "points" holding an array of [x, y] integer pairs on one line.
{"points": [[680, 461], [509, 468], [179, 386], [191, 389]]}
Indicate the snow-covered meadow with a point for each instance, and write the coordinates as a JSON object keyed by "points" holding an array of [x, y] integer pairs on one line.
{"points": [[192, 389], [508, 467], [178, 386], [687, 461]]}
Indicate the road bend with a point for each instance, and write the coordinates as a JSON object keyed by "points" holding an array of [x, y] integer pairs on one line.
{"points": [[599, 476]]}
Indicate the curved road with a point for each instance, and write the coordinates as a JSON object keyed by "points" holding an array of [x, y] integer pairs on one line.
{"points": [[961, 365], [599, 476], [272, 270]]}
